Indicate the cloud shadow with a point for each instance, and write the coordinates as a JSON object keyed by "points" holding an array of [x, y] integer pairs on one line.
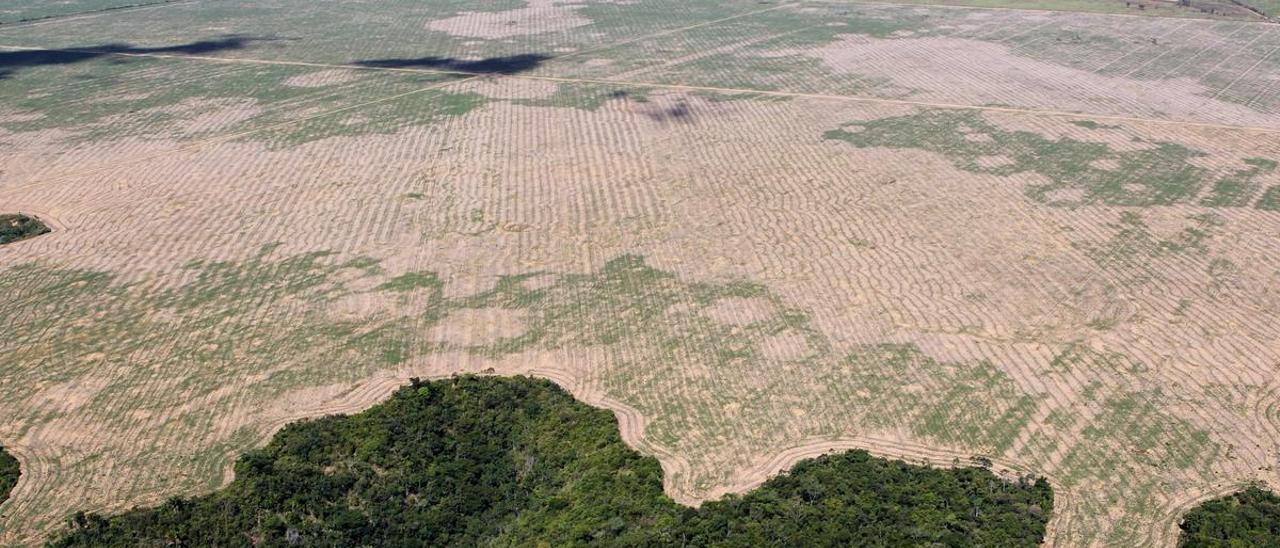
{"points": [[13, 61], [510, 64]]}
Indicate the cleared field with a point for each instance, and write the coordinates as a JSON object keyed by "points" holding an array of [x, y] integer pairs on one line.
{"points": [[1219, 9], [756, 232], [12, 11], [1190, 70]]}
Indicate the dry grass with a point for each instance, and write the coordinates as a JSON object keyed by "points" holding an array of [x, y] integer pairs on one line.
{"points": [[740, 289]]}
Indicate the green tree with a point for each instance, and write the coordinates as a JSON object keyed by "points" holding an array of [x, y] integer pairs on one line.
{"points": [[472, 461]]}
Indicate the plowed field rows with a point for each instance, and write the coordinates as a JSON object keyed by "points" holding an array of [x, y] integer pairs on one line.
{"points": [[756, 232]]}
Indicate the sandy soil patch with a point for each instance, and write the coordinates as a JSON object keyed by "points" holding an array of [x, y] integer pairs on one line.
{"points": [[541, 281], [197, 115], [322, 78], [1066, 195], [20, 117], [994, 161], [499, 89], [540, 16], [976, 72], [740, 311], [786, 346], [70, 395], [479, 326]]}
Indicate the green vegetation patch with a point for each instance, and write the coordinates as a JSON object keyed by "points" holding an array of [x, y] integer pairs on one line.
{"points": [[658, 328], [1248, 518], [1134, 243], [116, 97], [15, 227], [9, 472], [474, 460], [1239, 188], [419, 109], [1079, 172], [17, 11], [1090, 124], [1270, 200], [975, 404]]}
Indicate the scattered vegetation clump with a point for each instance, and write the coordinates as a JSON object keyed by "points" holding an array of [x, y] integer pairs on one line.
{"points": [[9, 472], [411, 281], [1134, 243], [1239, 188], [1270, 200], [517, 461], [1248, 518], [1079, 172], [15, 227], [1090, 124]]}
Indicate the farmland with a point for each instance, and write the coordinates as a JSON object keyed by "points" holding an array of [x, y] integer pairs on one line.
{"points": [[756, 232]]}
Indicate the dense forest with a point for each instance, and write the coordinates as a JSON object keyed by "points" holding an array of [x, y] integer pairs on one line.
{"points": [[14, 227], [517, 461], [1245, 519], [9, 472]]}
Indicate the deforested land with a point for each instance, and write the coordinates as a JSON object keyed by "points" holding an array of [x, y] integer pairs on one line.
{"points": [[1036, 238]]}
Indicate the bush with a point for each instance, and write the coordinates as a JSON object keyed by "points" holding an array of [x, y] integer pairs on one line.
{"points": [[19, 227]]}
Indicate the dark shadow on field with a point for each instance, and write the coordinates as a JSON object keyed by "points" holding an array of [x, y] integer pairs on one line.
{"points": [[679, 112], [510, 64], [12, 61]]}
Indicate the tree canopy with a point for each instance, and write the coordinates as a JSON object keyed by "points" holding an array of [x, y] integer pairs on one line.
{"points": [[9, 472], [14, 227], [517, 461], [1245, 519]]}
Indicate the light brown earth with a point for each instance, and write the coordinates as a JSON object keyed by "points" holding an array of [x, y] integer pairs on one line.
{"points": [[1123, 352], [989, 73], [540, 16], [321, 78], [714, 213]]}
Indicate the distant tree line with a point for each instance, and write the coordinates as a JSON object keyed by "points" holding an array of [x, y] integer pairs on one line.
{"points": [[1245, 519], [517, 461], [14, 227]]}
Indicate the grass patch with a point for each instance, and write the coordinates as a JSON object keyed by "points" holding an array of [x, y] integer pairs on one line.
{"points": [[1090, 124], [116, 97], [411, 281], [1270, 200], [1080, 172], [1239, 188]]}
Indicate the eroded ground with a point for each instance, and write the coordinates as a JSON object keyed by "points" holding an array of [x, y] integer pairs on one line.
{"points": [[755, 231]]}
